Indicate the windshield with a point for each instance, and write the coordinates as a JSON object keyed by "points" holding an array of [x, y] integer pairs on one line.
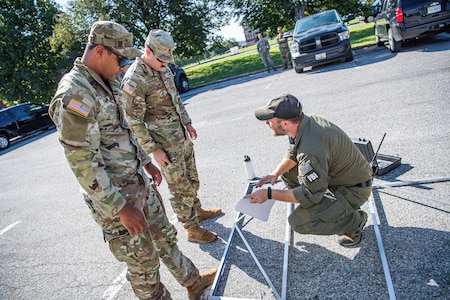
{"points": [[307, 23]]}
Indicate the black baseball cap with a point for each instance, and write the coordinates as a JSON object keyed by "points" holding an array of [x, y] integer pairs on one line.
{"points": [[284, 107]]}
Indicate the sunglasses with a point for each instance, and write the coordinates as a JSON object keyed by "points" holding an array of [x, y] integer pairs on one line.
{"points": [[161, 61], [123, 61]]}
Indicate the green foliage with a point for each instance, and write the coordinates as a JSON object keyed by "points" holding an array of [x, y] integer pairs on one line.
{"points": [[28, 65], [229, 67], [40, 42], [267, 15], [362, 35], [190, 22]]}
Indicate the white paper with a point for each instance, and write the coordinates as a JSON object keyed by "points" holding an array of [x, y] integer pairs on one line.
{"points": [[256, 210]]}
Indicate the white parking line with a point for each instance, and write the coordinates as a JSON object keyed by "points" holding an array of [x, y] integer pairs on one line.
{"points": [[111, 292], [9, 227]]}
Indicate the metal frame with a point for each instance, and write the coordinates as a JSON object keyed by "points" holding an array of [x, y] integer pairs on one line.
{"points": [[237, 229], [372, 208], [288, 234]]}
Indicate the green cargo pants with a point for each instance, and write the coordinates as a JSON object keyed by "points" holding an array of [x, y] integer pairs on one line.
{"points": [[140, 253], [336, 213]]}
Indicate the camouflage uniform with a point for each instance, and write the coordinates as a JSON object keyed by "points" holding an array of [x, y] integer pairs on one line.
{"points": [[331, 182], [158, 117], [263, 48], [284, 50], [108, 164]]}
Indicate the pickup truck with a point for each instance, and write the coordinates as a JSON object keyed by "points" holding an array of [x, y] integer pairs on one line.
{"points": [[319, 39], [22, 120]]}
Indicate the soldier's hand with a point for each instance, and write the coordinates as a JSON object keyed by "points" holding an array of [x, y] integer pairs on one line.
{"points": [[154, 172], [191, 130], [161, 157], [132, 219]]}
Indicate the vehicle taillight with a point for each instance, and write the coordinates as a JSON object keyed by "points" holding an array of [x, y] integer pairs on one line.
{"points": [[399, 15]]}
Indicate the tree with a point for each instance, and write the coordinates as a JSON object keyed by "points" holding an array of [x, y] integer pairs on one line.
{"points": [[218, 45], [28, 65], [190, 22], [267, 15]]}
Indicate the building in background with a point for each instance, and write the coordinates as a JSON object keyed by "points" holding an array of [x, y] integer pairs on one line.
{"points": [[250, 36]]}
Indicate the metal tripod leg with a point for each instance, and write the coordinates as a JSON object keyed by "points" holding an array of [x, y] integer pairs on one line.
{"points": [[237, 229]]}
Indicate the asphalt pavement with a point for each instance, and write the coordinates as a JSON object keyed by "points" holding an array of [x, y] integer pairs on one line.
{"points": [[52, 249]]}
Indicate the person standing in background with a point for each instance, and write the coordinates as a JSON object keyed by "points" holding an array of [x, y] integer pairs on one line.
{"points": [[284, 49], [263, 48]]}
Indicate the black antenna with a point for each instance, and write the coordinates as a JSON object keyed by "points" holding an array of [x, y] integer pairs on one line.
{"points": [[374, 162]]}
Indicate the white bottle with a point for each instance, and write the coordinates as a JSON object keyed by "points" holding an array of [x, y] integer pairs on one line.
{"points": [[249, 168]]}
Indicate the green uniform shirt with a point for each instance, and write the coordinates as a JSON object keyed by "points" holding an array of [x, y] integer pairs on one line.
{"points": [[106, 160], [326, 157], [263, 45], [153, 106], [282, 42]]}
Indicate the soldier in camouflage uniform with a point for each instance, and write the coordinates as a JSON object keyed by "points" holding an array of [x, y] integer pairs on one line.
{"points": [[263, 48], [163, 127], [324, 171], [109, 165], [284, 49]]}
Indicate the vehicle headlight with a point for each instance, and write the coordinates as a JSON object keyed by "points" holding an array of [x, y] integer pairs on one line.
{"points": [[345, 35], [294, 48]]}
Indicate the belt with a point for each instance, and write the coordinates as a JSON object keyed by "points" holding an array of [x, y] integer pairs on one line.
{"points": [[365, 184]]}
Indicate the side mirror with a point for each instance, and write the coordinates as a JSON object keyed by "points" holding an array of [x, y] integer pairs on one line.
{"points": [[288, 34]]}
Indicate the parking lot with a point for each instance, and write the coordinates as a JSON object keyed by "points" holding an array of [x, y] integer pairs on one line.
{"points": [[52, 249]]}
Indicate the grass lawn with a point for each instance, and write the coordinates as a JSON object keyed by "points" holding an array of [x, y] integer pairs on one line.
{"points": [[247, 61]]}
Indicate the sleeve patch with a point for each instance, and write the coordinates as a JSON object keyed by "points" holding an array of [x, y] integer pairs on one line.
{"points": [[128, 89], [308, 171], [306, 168], [311, 177], [79, 107]]}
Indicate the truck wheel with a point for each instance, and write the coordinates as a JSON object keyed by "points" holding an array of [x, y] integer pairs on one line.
{"points": [[394, 45], [298, 69], [4, 142], [184, 84], [349, 57]]}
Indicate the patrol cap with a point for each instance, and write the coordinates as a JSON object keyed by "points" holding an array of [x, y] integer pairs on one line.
{"points": [[161, 43], [284, 107], [114, 36]]}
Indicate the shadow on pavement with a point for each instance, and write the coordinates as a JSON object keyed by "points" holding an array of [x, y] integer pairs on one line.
{"points": [[417, 259]]}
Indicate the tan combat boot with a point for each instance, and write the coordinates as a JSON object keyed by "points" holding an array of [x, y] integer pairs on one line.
{"points": [[209, 213], [206, 279], [200, 235]]}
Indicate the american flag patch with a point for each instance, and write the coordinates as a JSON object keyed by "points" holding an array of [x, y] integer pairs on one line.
{"points": [[128, 89], [79, 107]]}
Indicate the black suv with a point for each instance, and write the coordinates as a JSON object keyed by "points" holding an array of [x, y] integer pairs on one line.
{"points": [[22, 120], [180, 78], [401, 20], [320, 38]]}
